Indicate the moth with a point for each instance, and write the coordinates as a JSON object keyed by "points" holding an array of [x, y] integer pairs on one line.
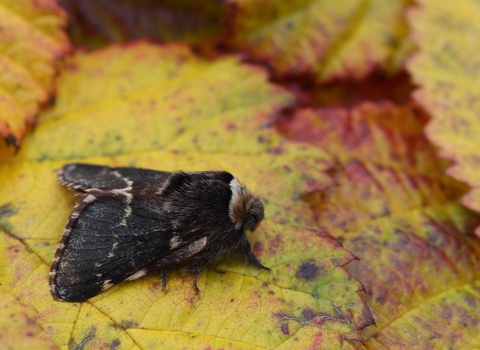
{"points": [[131, 221]]}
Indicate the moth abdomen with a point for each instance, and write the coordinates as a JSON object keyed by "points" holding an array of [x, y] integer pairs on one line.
{"points": [[130, 221]]}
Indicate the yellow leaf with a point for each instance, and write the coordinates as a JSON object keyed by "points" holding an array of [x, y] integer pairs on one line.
{"points": [[331, 39], [446, 69], [31, 41], [163, 108], [18, 327]]}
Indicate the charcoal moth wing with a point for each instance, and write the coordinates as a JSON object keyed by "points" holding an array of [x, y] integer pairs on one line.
{"points": [[131, 221]]}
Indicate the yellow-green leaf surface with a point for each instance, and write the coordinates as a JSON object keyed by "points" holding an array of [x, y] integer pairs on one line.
{"points": [[31, 41], [392, 207], [446, 68], [330, 39], [162, 108], [18, 328]]}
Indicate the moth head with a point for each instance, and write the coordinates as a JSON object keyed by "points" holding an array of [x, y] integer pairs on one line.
{"points": [[246, 209]]}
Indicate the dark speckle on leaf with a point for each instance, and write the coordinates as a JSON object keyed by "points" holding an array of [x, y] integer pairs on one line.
{"points": [[275, 150], [13, 249], [308, 270], [114, 345], [308, 314], [265, 125], [6, 210], [128, 324], [51, 101], [471, 301], [284, 328], [289, 25], [12, 141]]}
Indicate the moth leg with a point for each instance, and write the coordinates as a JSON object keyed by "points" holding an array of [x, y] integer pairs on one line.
{"points": [[164, 274], [196, 267], [197, 290], [251, 259], [249, 256]]}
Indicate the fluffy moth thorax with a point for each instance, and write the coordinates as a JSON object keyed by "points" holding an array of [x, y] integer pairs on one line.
{"points": [[245, 209]]}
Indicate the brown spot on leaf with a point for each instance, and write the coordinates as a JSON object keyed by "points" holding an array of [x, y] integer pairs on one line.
{"points": [[471, 301], [308, 314], [308, 270], [114, 325], [274, 243], [153, 287], [12, 141], [284, 328], [275, 150], [231, 126], [114, 345], [71, 66], [258, 248]]}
